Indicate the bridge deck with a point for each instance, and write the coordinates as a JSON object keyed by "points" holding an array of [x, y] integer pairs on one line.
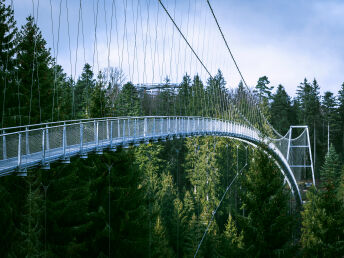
{"points": [[25, 147]]}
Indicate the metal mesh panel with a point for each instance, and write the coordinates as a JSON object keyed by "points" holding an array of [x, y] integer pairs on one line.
{"points": [[88, 133], [35, 141], [11, 144], [102, 130], [73, 134], [115, 129], [150, 126], [140, 129], [1, 148], [131, 128], [55, 137]]}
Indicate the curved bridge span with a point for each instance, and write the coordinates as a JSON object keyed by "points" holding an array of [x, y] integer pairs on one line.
{"points": [[39, 145]]}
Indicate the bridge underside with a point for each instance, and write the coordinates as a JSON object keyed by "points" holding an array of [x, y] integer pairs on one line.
{"points": [[40, 146]]}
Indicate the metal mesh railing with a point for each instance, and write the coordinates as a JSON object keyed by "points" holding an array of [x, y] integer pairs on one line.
{"points": [[68, 138]]}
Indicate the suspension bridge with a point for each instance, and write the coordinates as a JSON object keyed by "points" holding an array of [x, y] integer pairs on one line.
{"points": [[240, 117]]}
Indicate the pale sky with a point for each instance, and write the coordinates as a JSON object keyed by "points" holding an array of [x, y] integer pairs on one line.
{"points": [[284, 40]]}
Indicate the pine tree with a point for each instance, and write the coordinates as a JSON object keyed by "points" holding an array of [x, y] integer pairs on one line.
{"points": [[330, 171], [84, 92], [330, 117], [30, 227], [161, 247], [182, 99], [308, 97], [128, 102], [9, 111], [98, 101], [262, 89], [232, 241], [216, 94], [340, 133], [266, 224], [63, 95], [281, 112], [322, 218], [35, 74]]}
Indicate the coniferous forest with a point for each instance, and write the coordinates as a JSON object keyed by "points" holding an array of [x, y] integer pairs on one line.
{"points": [[158, 199]]}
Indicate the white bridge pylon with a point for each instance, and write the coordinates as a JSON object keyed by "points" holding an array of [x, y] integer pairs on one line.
{"points": [[38, 145]]}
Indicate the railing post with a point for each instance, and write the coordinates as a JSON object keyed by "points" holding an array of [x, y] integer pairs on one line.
{"points": [[154, 126], [129, 134], [4, 151], [96, 133], [135, 124], [161, 125], [168, 125], [145, 127], [111, 133], [107, 130], [123, 130], [27, 146], [43, 145], [118, 129], [47, 138], [64, 140], [19, 150], [81, 136]]}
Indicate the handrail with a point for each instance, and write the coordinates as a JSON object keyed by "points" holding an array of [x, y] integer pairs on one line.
{"points": [[22, 149]]}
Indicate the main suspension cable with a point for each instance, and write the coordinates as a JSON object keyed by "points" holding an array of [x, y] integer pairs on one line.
{"points": [[187, 42]]}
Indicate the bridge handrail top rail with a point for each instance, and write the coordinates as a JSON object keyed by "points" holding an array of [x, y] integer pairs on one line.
{"points": [[66, 123], [87, 120]]}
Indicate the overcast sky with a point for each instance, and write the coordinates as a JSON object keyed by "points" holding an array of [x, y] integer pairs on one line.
{"points": [[285, 40]]}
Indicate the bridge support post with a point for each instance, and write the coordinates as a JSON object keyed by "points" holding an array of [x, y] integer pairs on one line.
{"points": [[129, 134], [154, 126], [44, 139], [118, 129], [135, 125], [27, 143], [4, 151], [47, 138], [22, 172], [125, 143], [19, 151], [82, 154], [65, 159], [111, 128], [168, 126], [107, 130], [112, 147], [99, 150], [310, 156], [289, 140], [145, 125]]}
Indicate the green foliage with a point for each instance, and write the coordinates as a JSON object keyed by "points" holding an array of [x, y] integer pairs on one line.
{"points": [[8, 83], [330, 171], [281, 110], [266, 223], [84, 92], [35, 74], [128, 102], [322, 223], [98, 98], [232, 240], [262, 89]]}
